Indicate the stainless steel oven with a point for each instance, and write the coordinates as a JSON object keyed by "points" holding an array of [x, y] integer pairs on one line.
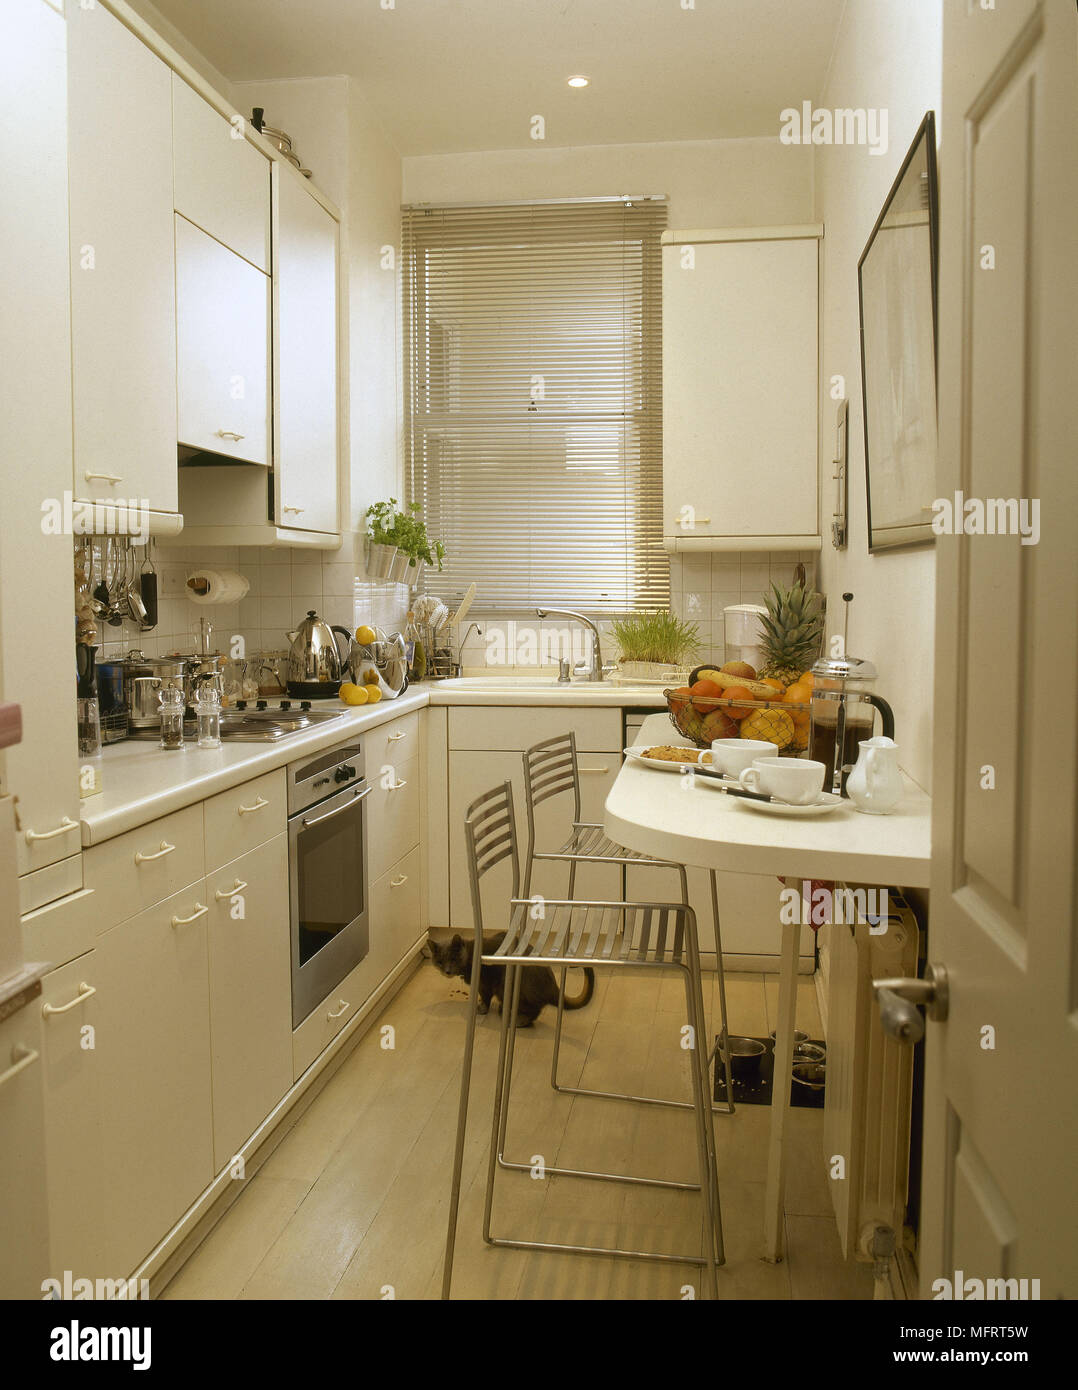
{"points": [[327, 872]]}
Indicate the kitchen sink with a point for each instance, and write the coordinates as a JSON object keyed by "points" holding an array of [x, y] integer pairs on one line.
{"points": [[255, 726], [549, 682]]}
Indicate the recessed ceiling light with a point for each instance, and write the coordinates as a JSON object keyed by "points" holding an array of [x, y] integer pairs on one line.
{"points": [[578, 82]]}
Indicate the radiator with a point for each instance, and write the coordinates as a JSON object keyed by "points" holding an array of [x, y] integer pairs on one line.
{"points": [[869, 1081]]}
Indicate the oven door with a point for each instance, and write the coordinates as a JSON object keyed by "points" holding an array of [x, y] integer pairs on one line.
{"points": [[327, 885]]}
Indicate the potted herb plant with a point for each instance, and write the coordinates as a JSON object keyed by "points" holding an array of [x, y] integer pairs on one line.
{"points": [[653, 645], [382, 548], [414, 547]]}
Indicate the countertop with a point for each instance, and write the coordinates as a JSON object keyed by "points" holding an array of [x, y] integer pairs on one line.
{"points": [[142, 782], [656, 813]]}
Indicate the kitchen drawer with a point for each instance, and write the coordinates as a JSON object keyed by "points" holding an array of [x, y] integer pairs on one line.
{"points": [[62, 930], [395, 913], [244, 817], [144, 866], [501, 728], [335, 1012], [76, 1178], [394, 743], [393, 815]]}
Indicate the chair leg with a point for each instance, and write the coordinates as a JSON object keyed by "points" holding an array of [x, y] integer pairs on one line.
{"points": [[501, 1091], [702, 1114], [462, 1123], [728, 1108], [700, 1055], [510, 1006]]}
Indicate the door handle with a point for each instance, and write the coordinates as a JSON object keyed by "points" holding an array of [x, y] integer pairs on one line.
{"points": [[237, 887], [21, 1058], [229, 434], [65, 825], [85, 991], [345, 1006], [317, 820], [199, 911], [166, 848], [898, 1001], [260, 803]]}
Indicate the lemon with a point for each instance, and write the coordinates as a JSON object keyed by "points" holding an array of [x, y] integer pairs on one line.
{"points": [[365, 635], [374, 694], [354, 694]]}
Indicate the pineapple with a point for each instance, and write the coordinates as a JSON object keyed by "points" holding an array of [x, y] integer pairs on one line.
{"points": [[791, 632]]}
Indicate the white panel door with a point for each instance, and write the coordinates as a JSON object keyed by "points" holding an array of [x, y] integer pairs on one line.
{"points": [[24, 1218], [221, 180], [472, 774], [739, 388], [123, 310], [36, 595], [250, 993], [305, 357], [153, 1044], [1001, 1071], [222, 306]]}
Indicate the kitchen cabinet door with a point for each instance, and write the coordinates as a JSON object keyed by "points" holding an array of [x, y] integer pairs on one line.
{"points": [[222, 306], [739, 392], [36, 596], [221, 182], [470, 775], [71, 1062], [250, 993], [305, 357], [24, 1218], [153, 1043], [123, 310]]}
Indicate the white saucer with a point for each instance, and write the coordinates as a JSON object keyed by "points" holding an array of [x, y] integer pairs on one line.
{"points": [[828, 802]]}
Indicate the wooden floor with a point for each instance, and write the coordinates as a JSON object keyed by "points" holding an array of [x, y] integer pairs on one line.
{"points": [[352, 1203]]}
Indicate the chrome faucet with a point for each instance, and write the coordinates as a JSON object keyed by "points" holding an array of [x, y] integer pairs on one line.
{"points": [[463, 640], [595, 669]]}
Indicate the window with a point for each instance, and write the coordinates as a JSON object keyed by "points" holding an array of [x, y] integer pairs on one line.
{"points": [[533, 400]]}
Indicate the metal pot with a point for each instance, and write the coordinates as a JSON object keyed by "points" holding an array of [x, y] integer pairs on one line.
{"points": [[143, 677], [315, 662], [380, 560]]}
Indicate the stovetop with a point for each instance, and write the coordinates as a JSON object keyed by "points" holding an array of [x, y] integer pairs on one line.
{"points": [[261, 721]]}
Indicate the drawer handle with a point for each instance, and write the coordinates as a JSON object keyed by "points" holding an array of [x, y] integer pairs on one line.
{"points": [[396, 786], [166, 848], [229, 434], [297, 510], [401, 733], [102, 477], [65, 825], [591, 769], [260, 802], [345, 1006], [237, 887], [199, 911], [396, 882], [85, 991], [22, 1057]]}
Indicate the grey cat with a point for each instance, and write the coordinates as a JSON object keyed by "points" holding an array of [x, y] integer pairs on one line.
{"points": [[538, 987]]}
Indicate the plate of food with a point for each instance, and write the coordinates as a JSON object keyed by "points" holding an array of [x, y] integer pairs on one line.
{"points": [[667, 757]]}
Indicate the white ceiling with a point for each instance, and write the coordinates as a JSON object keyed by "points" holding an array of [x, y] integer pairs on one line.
{"points": [[454, 75]]}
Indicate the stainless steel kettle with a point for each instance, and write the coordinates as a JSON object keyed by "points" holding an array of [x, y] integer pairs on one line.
{"points": [[316, 663]]}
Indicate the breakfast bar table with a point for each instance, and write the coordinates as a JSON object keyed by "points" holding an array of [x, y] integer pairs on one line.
{"points": [[658, 814]]}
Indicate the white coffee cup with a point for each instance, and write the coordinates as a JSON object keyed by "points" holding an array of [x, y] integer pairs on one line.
{"points": [[732, 755], [796, 780]]}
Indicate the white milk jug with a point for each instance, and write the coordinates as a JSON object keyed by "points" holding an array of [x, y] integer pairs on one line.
{"points": [[875, 784]]}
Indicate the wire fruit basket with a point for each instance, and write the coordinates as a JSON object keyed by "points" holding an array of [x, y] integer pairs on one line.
{"points": [[702, 718]]}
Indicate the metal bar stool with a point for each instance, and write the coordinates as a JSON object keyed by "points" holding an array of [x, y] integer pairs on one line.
{"points": [[565, 933], [551, 769]]}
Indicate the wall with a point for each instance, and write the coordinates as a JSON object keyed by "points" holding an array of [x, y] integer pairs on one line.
{"points": [[888, 56]]}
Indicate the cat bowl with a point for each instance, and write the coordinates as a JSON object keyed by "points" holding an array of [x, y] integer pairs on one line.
{"points": [[810, 1052], [811, 1075], [745, 1054]]}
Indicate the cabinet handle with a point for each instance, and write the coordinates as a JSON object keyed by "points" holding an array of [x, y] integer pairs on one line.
{"points": [[65, 825], [306, 821], [260, 802], [396, 882], [396, 786], [582, 770], [229, 434], [297, 510], [22, 1057], [166, 848], [102, 477], [401, 733], [345, 1006], [237, 887], [85, 991], [199, 911]]}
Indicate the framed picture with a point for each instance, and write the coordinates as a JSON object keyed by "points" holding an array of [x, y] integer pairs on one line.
{"points": [[896, 284]]}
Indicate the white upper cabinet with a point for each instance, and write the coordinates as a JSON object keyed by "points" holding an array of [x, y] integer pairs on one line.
{"points": [[305, 351], [123, 317], [222, 183], [740, 390], [222, 340]]}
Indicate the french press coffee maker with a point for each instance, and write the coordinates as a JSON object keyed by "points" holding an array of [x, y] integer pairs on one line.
{"points": [[843, 708]]}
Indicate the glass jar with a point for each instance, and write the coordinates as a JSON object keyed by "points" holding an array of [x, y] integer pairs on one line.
{"points": [[208, 715], [171, 702]]}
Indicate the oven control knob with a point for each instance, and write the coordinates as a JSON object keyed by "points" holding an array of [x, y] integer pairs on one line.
{"points": [[241, 704], [260, 704], [286, 704], [304, 704], [340, 775]]}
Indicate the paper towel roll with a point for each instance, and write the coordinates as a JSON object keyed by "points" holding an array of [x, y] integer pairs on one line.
{"points": [[216, 586]]}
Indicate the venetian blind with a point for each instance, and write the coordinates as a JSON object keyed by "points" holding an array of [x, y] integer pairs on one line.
{"points": [[533, 400]]}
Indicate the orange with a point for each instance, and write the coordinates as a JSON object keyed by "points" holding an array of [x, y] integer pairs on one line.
{"points": [[807, 678], [738, 692], [798, 694], [773, 683], [679, 698], [708, 691]]}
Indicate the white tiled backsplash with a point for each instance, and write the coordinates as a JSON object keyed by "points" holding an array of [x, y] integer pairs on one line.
{"points": [[701, 586], [284, 585]]}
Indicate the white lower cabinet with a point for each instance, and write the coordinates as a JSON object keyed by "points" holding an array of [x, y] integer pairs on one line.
{"points": [[24, 1219], [395, 908], [153, 1043], [250, 993], [70, 1005]]}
